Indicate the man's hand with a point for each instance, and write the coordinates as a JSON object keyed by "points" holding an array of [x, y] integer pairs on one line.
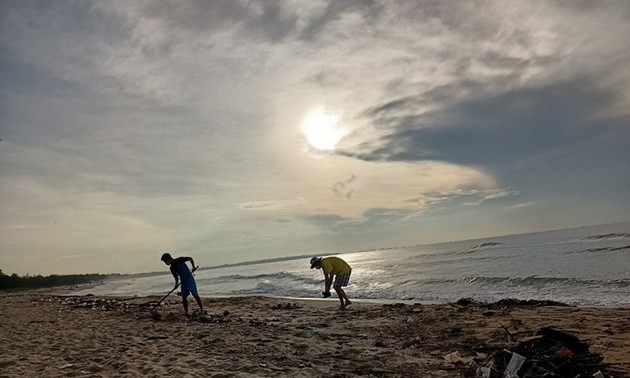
{"points": [[326, 294]]}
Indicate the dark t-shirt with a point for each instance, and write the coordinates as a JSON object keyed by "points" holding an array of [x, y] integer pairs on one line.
{"points": [[179, 268]]}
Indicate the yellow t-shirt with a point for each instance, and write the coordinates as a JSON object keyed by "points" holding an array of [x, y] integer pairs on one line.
{"points": [[335, 265]]}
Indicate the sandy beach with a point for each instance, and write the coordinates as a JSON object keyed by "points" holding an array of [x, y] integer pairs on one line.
{"points": [[46, 335]]}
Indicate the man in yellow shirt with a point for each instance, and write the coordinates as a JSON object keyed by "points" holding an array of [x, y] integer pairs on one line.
{"points": [[337, 269]]}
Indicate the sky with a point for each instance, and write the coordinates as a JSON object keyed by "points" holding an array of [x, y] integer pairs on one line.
{"points": [[233, 131]]}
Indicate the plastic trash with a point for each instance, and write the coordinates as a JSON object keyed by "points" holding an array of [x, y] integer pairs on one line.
{"points": [[485, 371], [514, 365], [456, 358], [453, 357]]}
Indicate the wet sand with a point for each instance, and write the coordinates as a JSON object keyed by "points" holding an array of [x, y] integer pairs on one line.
{"points": [[43, 335]]}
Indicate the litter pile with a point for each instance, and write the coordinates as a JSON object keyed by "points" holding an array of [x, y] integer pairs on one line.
{"points": [[286, 306], [551, 353], [509, 303], [132, 305], [93, 303]]}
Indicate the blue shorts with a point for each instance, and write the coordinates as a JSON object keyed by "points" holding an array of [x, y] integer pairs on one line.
{"points": [[342, 280], [189, 287]]}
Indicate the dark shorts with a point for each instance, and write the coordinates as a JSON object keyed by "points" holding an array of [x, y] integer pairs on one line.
{"points": [[342, 280], [189, 287]]}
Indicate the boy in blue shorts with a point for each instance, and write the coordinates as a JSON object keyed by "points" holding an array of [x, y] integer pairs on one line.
{"points": [[180, 271]]}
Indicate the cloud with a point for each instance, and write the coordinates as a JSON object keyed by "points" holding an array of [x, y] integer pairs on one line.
{"points": [[270, 205], [511, 126], [342, 188], [349, 188], [523, 205]]}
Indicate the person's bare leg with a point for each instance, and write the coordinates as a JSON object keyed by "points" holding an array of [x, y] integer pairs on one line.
{"points": [[340, 294], [185, 303], [345, 296], [199, 303]]}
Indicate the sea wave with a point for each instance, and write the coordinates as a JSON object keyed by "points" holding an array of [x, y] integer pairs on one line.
{"points": [[484, 246], [269, 288], [535, 281], [612, 235], [602, 249], [279, 276]]}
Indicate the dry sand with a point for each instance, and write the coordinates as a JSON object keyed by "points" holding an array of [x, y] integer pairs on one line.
{"points": [[43, 335]]}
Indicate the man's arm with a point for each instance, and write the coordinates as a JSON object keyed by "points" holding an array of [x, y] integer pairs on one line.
{"points": [[174, 273], [192, 262], [328, 280]]}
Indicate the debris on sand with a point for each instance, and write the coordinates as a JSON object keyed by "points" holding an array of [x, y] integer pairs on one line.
{"points": [[551, 353], [509, 303]]}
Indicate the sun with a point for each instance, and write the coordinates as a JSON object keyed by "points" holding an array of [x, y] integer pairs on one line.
{"points": [[322, 129]]}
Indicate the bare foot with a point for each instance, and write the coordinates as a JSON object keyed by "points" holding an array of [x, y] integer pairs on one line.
{"points": [[348, 303]]}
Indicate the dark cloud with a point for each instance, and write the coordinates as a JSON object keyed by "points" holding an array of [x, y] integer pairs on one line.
{"points": [[343, 189], [368, 9], [63, 21], [498, 130], [264, 19], [543, 140], [25, 78], [621, 6]]}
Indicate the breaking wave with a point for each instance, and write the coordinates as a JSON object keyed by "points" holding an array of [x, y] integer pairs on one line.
{"points": [[280, 276], [534, 281], [612, 235]]}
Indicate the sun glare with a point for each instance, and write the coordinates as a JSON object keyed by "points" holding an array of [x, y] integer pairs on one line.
{"points": [[322, 129]]}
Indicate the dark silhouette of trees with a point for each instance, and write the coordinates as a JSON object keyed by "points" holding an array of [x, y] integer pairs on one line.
{"points": [[32, 282]]}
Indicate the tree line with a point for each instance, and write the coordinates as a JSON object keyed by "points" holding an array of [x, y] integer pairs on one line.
{"points": [[14, 281]]}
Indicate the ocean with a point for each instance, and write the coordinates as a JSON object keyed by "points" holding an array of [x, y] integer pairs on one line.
{"points": [[587, 266]]}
